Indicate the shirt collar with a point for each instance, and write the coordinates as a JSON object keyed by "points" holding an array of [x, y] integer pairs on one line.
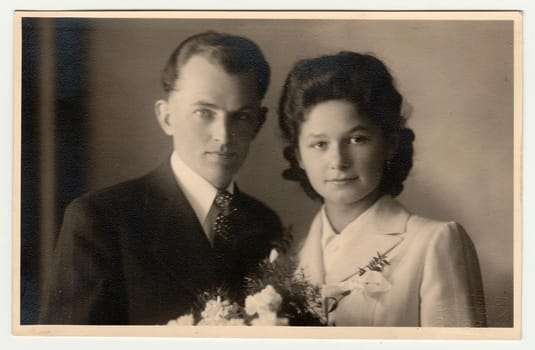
{"points": [[199, 192], [327, 231]]}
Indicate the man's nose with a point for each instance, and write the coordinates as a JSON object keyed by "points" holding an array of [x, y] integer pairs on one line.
{"points": [[221, 129]]}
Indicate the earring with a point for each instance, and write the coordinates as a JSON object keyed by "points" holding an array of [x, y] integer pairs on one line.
{"points": [[388, 164]]}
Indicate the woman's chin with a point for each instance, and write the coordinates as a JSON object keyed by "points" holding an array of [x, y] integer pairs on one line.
{"points": [[352, 199]]}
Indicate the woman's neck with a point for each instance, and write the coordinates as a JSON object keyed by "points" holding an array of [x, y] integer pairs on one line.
{"points": [[341, 214]]}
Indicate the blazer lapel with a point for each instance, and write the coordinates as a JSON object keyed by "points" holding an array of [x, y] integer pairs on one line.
{"points": [[358, 253], [380, 229]]}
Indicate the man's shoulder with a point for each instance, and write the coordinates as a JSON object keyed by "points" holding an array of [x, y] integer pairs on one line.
{"points": [[258, 210], [253, 203], [121, 191], [128, 193]]}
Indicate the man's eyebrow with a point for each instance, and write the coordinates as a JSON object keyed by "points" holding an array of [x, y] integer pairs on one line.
{"points": [[206, 104], [247, 108], [215, 106]]}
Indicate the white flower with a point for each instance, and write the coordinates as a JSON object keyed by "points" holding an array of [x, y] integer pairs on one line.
{"points": [[273, 255], [212, 322], [269, 319], [220, 313], [185, 320], [221, 322], [235, 322], [375, 283], [372, 282], [216, 309], [266, 301]]}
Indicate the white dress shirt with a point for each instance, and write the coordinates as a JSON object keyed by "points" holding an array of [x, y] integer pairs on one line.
{"points": [[199, 193]]}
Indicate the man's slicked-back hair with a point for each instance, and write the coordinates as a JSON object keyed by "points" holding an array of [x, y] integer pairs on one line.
{"points": [[235, 54]]}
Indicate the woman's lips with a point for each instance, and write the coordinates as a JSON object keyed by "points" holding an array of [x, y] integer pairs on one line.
{"points": [[341, 180]]}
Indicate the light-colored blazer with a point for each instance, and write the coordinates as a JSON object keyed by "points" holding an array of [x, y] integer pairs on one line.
{"points": [[433, 278]]}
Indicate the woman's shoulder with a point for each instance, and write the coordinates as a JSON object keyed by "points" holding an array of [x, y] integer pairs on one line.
{"points": [[390, 210], [417, 222], [431, 230]]}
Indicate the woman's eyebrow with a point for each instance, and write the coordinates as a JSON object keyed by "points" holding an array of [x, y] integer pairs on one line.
{"points": [[353, 129], [359, 128]]}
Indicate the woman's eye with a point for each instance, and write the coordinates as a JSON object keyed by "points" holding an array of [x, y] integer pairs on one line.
{"points": [[319, 145], [359, 139], [203, 113]]}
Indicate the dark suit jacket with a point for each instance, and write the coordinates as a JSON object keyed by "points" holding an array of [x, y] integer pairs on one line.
{"points": [[135, 253]]}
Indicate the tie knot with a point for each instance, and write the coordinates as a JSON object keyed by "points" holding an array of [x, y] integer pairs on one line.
{"points": [[223, 200]]}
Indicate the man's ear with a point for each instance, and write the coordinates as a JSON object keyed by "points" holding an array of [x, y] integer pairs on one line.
{"points": [[161, 109], [261, 119]]}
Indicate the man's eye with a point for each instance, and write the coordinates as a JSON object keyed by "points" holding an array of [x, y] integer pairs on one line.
{"points": [[359, 139], [244, 116], [203, 113]]}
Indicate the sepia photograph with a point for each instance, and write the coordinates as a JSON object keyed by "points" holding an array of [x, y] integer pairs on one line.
{"points": [[340, 175]]}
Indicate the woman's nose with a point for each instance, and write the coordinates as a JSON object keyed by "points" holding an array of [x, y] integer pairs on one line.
{"points": [[339, 158]]}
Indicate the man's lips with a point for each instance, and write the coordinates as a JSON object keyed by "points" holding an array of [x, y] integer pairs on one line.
{"points": [[226, 154]]}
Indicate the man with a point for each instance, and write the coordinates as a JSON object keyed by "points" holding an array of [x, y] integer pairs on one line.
{"points": [[141, 252]]}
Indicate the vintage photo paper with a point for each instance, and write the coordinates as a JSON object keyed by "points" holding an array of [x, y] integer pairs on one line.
{"points": [[86, 87]]}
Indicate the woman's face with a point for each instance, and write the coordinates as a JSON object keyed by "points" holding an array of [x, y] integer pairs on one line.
{"points": [[342, 152]]}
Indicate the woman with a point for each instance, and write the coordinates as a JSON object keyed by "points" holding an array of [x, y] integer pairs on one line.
{"points": [[348, 146]]}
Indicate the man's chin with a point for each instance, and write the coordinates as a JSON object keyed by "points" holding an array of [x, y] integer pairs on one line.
{"points": [[219, 177], [224, 159]]}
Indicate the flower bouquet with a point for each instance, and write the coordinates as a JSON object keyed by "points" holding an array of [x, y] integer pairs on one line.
{"points": [[277, 294], [300, 301]]}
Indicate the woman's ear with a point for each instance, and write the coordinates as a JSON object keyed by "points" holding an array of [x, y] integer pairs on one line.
{"points": [[392, 146], [161, 109], [298, 157]]}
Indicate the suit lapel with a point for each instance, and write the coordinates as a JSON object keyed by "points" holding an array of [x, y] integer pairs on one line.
{"points": [[179, 243]]}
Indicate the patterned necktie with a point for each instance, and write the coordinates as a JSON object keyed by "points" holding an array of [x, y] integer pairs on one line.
{"points": [[222, 224]]}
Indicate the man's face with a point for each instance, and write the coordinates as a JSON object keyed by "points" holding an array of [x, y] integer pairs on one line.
{"points": [[212, 116]]}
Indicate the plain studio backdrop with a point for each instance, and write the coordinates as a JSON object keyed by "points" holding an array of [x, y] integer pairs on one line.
{"points": [[89, 88]]}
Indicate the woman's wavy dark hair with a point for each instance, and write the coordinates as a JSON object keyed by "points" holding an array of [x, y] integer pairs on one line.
{"points": [[360, 79]]}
